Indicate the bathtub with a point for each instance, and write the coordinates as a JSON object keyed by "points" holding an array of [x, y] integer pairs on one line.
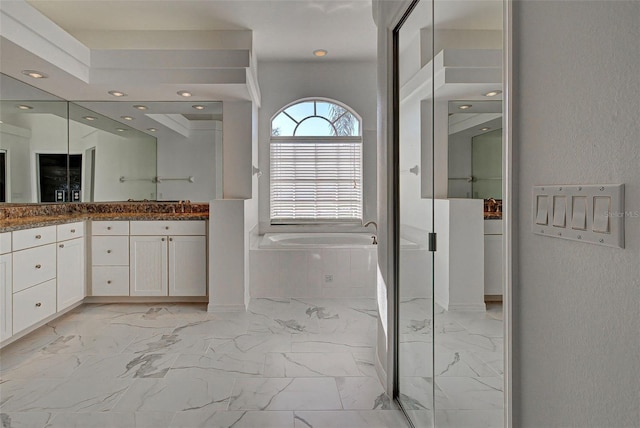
{"points": [[316, 240], [330, 265]]}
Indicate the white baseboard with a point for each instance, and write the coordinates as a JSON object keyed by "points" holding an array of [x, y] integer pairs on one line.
{"points": [[465, 307], [226, 308], [380, 371]]}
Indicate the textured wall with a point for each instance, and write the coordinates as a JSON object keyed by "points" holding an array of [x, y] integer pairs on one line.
{"points": [[577, 306]]}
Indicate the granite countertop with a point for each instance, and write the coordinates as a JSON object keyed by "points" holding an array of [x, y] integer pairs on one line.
{"points": [[18, 218], [492, 215]]}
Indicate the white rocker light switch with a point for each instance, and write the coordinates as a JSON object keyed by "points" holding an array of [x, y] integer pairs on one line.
{"points": [[601, 213]]}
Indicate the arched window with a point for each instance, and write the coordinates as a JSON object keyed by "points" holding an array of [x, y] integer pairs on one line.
{"points": [[316, 163]]}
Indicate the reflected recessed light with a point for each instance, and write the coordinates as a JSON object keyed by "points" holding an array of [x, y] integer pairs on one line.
{"points": [[151, 129], [120, 129], [465, 106], [185, 93], [117, 93], [35, 74], [126, 117], [140, 107], [485, 129], [198, 107], [320, 52], [1, 121], [89, 118], [493, 93], [24, 107]]}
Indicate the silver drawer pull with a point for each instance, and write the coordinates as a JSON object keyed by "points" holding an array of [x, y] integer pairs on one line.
{"points": [[167, 227], [108, 251], [38, 236], [109, 282], [73, 231], [61, 245], [38, 304], [108, 227], [38, 266]]}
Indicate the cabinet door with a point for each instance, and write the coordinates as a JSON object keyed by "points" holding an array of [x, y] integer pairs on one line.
{"points": [[6, 301], [71, 272], [187, 266], [493, 265], [148, 269]]}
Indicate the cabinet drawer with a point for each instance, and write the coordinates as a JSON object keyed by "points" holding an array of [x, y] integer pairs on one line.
{"points": [[70, 231], [33, 266], [5, 242], [163, 227], [110, 250], [109, 227], [33, 237], [110, 281], [33, 304]]}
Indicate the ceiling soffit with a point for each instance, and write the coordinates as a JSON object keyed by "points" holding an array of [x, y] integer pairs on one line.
{"points": [[130, 60]]}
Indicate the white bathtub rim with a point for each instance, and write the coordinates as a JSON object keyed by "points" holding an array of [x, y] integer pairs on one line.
{"points": [[275, 240]]}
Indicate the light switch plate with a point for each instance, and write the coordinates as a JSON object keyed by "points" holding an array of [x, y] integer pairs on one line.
{"points": [[590, 222]]}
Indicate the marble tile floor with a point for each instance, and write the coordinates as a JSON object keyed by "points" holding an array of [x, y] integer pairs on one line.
{"points": [[284, 363], [467, 365]]}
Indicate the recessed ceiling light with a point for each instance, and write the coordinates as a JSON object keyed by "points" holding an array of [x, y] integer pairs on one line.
{"points": [[24, 107], [120, 129], [320, 53], [126, 117], [485, 129], [117, 93], [493, 93], [89, 118], [151, 129], [198, 107], [140, 107], [185, 93], [35, 74], [465, 106]]}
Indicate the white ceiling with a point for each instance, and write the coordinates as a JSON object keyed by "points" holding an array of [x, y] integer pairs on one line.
{"points": [[282, 29], [176, 48]]}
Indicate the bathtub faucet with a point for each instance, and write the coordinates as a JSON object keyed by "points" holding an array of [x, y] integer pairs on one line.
{"points": [[375, 237]]}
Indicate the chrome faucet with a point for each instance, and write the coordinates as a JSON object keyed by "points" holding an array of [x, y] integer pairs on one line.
{"points": [[375, 237]]}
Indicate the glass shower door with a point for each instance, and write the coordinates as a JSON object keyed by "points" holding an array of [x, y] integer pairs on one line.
{"points": [[414, 145]]}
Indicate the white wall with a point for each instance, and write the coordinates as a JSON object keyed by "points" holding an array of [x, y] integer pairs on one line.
{"points": [[352, 83], [577, 306], [16, 141], [193, 156]]}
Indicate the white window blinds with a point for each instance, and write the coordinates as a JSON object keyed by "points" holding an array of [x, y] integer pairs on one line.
{"points": [[316, 179]]}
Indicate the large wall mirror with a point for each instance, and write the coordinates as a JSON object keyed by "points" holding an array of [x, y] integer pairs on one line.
{"points": [[52, 150], [33, 144]]}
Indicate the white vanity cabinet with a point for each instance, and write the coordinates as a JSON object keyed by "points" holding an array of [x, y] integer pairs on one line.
{"points": [[6, 298], [168, 258], [493, 258], [34, 276], [110, 258], [70, 264]]}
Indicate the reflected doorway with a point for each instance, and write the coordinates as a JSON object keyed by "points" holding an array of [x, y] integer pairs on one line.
{"points": [[52, 170], [3, 176]]}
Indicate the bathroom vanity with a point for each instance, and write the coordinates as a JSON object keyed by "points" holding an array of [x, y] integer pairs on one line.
{"points": [[55, 257]]}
